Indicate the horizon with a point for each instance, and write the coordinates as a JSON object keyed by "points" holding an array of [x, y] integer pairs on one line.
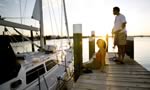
{"points": [[92, 14]]}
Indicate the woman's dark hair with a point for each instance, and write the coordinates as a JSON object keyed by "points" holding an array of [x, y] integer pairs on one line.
{"points": [[116, 8]]}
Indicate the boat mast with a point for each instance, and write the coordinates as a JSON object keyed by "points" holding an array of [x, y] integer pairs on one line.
{"points": [[66, 21], [41, 26]]}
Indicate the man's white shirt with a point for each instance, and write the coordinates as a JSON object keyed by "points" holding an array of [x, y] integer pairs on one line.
{"points": [[119, 20]]}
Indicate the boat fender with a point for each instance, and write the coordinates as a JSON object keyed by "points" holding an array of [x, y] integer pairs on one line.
{"points": [[61, 77]]}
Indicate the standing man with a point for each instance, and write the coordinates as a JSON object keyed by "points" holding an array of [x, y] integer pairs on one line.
{"points": [[119, 30]]}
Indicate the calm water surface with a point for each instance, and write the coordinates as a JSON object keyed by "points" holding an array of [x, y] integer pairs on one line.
{"points": [[141, 48], [142, 51]]}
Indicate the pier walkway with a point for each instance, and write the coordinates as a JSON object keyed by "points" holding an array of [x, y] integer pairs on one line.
{"points": [[128, 76]]}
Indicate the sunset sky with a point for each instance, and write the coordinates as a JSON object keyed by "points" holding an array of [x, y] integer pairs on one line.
{"points": [[92, 14]]}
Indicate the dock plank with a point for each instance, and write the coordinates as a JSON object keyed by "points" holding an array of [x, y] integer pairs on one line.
{"points": [[129, 76]]}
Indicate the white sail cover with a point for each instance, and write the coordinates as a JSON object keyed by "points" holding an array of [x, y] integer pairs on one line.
{"points": [[36, 11]]}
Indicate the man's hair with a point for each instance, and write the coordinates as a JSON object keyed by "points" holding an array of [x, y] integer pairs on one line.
{"points": [[116, 8]]}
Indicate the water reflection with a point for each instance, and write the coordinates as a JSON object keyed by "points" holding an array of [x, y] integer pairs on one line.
{"points": [[141, 48]]}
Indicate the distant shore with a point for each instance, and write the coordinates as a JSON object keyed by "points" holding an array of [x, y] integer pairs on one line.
{"points": [[19, 38]]}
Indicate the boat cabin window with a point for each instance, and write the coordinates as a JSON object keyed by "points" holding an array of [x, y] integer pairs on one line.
{"points": [[34, 73], [50, 64]]}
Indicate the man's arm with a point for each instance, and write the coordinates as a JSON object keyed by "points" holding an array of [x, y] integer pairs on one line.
{"points": [[123, 25]]}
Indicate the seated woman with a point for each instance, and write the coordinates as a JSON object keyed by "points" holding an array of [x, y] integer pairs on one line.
{"points": [[100, 55], [99, 61]]}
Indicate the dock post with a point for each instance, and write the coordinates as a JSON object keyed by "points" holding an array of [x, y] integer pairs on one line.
{"points": [[107, 42], [130, 47], [32, 45], [45, 40], [92, 45], [77, 40]]}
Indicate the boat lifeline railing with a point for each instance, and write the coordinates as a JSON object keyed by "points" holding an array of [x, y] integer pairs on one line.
{"points": [[26, 38]]}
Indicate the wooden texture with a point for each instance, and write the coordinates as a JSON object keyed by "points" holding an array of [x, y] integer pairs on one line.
{"points": [[91, 46], [77, 39], [128, 76]]}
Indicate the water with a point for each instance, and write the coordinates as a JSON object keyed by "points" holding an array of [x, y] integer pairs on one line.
{"points": [[26, 46], [141, 48]]}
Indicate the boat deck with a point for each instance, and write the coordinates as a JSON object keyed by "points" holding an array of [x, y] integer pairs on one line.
{"points": [[128, 76]]}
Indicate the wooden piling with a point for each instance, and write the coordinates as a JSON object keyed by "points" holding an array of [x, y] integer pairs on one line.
{"points": [[44, 40], [77, 39], [92, 45], [32, 45], [130, 47], [107, 42]]}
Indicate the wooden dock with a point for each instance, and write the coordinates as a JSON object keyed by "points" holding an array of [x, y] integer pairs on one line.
{"points": [[128, 76]]}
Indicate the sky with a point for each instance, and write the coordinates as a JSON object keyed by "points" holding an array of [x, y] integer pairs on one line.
{"points": [[94, 15]]}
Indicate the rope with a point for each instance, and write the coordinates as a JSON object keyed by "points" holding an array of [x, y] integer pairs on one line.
{"points": [[45, 82], [66, 21], [52, 22], [20, 11], [54, 16], [50, 17], [58, 7], [13, 39], [39, 81], [27, 38], [9, 33], [20, 4], [24, 11]]}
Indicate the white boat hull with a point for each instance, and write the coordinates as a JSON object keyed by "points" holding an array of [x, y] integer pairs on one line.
{"points": [[50, 80]]}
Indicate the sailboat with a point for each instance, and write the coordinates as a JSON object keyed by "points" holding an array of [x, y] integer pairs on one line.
{"points": [[36, 70]]}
